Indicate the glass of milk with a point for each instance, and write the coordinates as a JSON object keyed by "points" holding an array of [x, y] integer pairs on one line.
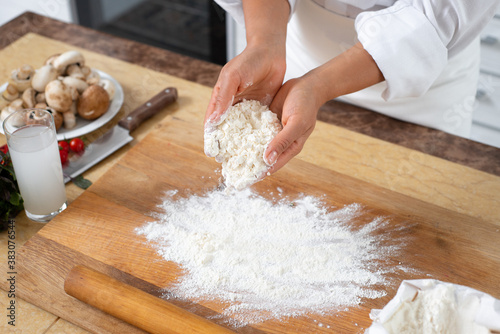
{"points": [[32, 141]]}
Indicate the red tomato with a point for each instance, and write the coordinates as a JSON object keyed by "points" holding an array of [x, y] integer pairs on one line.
{"points": [[64, 156], [63, 146], [4, 149], [77, 145]]}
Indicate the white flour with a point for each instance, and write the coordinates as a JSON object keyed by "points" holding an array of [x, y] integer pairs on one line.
{"points": [[240, 141], [437, 311], [269, 260]]}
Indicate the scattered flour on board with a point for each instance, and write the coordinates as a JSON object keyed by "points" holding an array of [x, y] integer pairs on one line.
{"points": [[239, 142], [270, 259]]}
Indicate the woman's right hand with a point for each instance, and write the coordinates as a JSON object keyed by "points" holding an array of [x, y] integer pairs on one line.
{"points": [[257, 73]]}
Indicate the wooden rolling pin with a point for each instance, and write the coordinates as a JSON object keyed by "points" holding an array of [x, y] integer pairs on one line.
{"points": [[134, 306]]}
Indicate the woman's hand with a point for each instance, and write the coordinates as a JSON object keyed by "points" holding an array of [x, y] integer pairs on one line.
{"points": [[297, 104], [258, 72], [298, 101]]}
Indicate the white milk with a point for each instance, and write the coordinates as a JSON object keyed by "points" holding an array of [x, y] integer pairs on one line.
{"points": [[38, 169]]}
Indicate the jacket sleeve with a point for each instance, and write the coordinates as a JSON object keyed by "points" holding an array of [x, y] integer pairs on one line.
{"points": [[412, 40], [235, 9]]}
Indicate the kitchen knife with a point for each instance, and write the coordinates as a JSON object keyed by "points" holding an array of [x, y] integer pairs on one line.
{"points": [[119, 135]]}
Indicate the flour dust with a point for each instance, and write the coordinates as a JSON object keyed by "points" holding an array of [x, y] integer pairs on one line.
{"points": [[271, 259]]}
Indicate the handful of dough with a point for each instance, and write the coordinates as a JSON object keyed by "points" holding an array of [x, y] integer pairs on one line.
{"points": [[240, 141]]}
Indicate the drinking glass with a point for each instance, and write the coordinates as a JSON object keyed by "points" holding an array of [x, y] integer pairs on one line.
{"points": [[32, 141]]}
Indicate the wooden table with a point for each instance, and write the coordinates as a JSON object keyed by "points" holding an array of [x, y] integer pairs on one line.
{"points": [[431, 166]]}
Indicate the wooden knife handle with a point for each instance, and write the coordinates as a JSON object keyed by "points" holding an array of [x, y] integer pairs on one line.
{"points": [[134, 306], [149, 108]]}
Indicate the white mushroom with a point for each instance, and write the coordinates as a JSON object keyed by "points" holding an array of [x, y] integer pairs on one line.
{"points": [[50, 60], [42, 77], [41, 105], [85, 70], [74, 107], [21, 77], [58, 96], [68, 58], [10, 93], [69, 120], [5, 113], [3, 102], [93, 78], [108, 86], [40, 97], [16, 105], [80, 85], [75, 71], [29, 98]]}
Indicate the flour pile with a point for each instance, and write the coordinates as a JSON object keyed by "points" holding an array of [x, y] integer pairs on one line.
{"points": [[269, 260], [239, 142]]}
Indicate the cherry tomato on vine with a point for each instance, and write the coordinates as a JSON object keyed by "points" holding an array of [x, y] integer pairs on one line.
{"points": [[63, 146], [77, 145], [64, 156], [4, 149]]}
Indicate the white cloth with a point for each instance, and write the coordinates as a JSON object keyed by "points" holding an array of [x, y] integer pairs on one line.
{"points": [[428, 52]]}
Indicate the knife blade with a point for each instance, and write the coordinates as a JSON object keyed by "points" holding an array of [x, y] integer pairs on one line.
{"points": [[119, 135]]}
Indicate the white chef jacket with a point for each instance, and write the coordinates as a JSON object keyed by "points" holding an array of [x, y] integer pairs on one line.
{"points": [[428, 52]]}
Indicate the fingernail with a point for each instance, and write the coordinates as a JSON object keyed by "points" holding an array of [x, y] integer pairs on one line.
{"points": [[212, 117], [272, 157]]}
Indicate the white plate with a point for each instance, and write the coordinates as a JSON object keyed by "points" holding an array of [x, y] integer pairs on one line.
{"points": [[84, 126]]}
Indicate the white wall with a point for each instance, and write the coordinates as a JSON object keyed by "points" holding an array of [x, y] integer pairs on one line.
{"points": [[58, 9]]}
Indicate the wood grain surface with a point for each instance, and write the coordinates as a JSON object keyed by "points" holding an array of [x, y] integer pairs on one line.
{"points": [[447, 215]]}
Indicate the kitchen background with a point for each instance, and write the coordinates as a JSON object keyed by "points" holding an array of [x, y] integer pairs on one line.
{"points": [[201, 29]]}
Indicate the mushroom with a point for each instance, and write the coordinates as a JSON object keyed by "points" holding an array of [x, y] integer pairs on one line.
{"points": [[93, 78], [29, 98], [3, 102], [41, 105], [75, 71], [21, 77], [16, 105], [68, 58], [10, 93], [93, 102], [108, 86], [42, 77], [69, 120], [58, 96], [35, 117], [5, 113], [74, 107], [85, 70], [80, 85], [40, 97], [50, 60]]}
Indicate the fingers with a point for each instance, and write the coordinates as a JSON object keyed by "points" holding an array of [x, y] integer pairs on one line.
{"points": [[222, 97]]}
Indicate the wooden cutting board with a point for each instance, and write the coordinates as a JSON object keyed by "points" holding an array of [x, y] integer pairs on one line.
{"points": [[455, 242]]}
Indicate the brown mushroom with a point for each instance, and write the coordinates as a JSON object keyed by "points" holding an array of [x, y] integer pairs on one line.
{"points": [[29, 98], [62, 62], [21, 77], [93, 102], [42, 77], [58, 96], [10, 93]]}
